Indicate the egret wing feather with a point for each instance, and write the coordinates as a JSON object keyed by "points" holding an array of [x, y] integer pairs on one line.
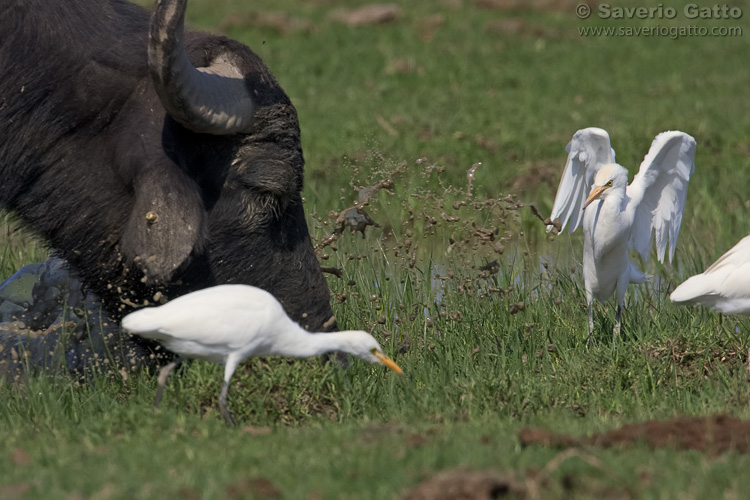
{"points": [[588, 151], [226, 308], [734, 258], [658, 193], [723, 286]]}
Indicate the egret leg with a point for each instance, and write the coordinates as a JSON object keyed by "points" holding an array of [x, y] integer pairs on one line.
{"points": [[162, 380], [591, 323], [618, 324], [229, 368], [223, 404]]}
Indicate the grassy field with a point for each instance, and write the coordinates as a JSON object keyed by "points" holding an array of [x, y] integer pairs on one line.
{"points": [[488, 347]]}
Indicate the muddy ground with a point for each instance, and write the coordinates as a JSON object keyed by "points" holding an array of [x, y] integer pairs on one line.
{"points": [[712, 435]]}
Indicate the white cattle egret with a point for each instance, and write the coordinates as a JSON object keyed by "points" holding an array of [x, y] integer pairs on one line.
{"points": [[723, 286], [226, 324], [618, 217]]}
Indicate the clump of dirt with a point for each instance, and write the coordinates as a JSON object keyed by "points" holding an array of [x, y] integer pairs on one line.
{"points": [[530, 484], [429, 26], [459, 484], [711, 435], [259, 487], [16, 490], [537, 5], [281, 22], [521, 27], [543, 174], [367, 15], [690, 359]]}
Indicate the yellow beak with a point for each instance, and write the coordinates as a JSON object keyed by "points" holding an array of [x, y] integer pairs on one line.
{"points": [[595, 194], [385, 360]]}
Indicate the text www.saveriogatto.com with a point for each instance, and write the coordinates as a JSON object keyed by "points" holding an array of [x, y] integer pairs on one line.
{"points": [[695, 15]]}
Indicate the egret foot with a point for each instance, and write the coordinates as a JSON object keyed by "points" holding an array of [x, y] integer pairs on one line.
{"points": [[618, 325], [616, 332], [162, 380], [591, 323]]}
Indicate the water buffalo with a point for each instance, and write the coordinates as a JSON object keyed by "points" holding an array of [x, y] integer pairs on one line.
{"points": [[154, 160]]}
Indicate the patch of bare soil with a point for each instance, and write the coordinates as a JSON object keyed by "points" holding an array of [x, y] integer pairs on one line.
{"points": [[521, 27], [259, 487], [542, 174], [690, 360], [532, 484], [281, 22], [711, 435], [543, 5], [459, 484], [20, 457], [16, 490], [367, 15], [429, 26]]}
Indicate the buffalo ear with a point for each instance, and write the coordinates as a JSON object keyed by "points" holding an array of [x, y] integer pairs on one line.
{"points": [[167, 222]]}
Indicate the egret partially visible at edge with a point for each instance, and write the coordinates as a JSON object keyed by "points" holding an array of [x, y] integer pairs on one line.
{"points": [[226, 324], [618, 217], [724, 286]]}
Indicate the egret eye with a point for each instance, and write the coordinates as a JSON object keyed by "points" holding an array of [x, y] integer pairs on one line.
{"points": [[373, 350], [609, 184]]}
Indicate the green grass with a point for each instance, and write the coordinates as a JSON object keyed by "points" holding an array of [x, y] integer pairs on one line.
{"points": [[477, 89], [17, 247]]}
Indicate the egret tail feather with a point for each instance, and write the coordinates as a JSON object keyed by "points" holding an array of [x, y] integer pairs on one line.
{"points": [[637, 276]]}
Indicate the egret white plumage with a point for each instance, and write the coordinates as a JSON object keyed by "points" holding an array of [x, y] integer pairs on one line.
{"points": [[723, 286], [226, 324], [618, 217]]}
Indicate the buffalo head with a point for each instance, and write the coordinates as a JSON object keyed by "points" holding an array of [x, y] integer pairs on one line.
{"points": [[155, 161]]}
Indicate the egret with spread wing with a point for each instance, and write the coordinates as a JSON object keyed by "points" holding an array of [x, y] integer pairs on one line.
{"points": [[618, 217], [723, 286]]}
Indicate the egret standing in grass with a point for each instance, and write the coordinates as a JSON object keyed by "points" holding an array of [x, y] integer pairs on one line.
{"points": [[723, 286], [226, 324], [618, 217]]}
